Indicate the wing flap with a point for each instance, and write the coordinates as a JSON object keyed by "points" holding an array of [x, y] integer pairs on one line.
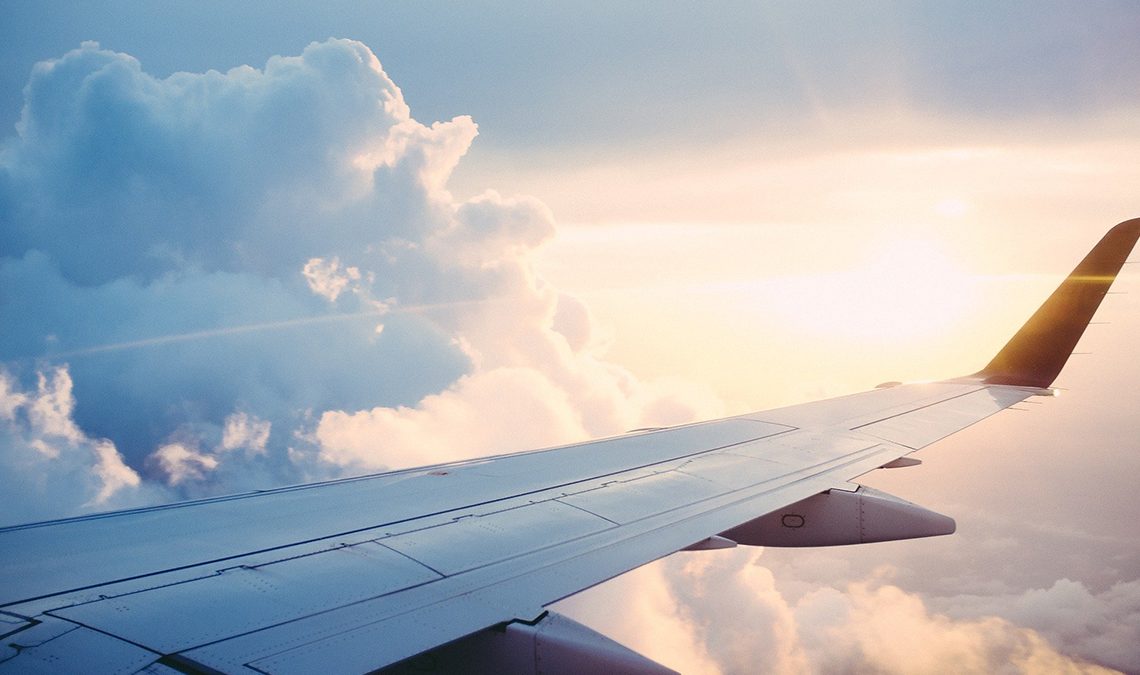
{"points": [[54, 646], [247, 598]]}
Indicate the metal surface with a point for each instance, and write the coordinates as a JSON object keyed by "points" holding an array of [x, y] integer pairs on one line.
{"points": [[498, 540]]}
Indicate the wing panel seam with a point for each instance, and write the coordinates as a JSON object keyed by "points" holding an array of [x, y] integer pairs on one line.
{"points": [[912, 410], [787, 429]]}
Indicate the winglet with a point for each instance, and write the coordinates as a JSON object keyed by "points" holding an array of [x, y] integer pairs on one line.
{"points": [[1035, 355]]}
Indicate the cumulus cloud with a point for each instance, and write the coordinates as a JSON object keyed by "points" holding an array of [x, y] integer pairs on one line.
{"points": [[179, 463], [649, 618], [251, 169], [762, 635], [258, 277], [327, 279], [1101, 626], [529, 412], [885, 629], [725, 612], [1077, 590], [245, 431], [51, 468]]}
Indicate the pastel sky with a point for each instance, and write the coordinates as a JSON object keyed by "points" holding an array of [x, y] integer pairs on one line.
{"points": [[250, 246]]}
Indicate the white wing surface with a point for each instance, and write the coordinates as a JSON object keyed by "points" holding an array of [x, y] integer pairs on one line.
{"points": [[451, 566]]}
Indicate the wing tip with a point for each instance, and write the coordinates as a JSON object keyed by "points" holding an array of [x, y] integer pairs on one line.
{"points": [[1035, 355]]}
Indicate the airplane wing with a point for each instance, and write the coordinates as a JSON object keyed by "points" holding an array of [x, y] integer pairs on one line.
{"points": [[451, 567]]}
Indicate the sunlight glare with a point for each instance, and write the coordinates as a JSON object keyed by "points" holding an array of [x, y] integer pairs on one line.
{"points": [[952, 208], [908, 289]]}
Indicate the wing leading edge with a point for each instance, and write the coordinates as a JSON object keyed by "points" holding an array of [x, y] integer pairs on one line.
{"points": [[453, 565]]}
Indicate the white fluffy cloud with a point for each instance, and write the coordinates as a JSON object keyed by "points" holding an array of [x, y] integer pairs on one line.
{"points": [[885, 629], [179, 464], [244, 431], [649, 618], [159, 236], [1099, 625], [529, 412], [327, 279], [268, 261], [724, 612], [51, 468]]}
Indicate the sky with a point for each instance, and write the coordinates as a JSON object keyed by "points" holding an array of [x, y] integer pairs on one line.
{"points": [[243, 247]]}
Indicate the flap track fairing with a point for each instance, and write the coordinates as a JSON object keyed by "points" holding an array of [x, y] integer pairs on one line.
{"points": [[839, 517]]}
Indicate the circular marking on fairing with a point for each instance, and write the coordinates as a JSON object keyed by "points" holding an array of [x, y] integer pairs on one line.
{"points": [[792, 520]]}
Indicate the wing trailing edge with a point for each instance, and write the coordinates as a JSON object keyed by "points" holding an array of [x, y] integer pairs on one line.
{"points": [[1036, 353]]}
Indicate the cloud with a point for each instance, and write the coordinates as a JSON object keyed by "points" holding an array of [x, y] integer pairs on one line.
{"points": [[259, 276], [774, 67], [529, 412], [191, 348], [245, 431], [179, 463], [1015, 575], [726, 612], [51, 468], [327, 279], [886, 629], [648, 619], [499, 410], [247, 170], [762, 636], [1099, 626]]}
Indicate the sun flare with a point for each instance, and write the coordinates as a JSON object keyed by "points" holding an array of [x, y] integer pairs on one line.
{"points": [[906, 290]]}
